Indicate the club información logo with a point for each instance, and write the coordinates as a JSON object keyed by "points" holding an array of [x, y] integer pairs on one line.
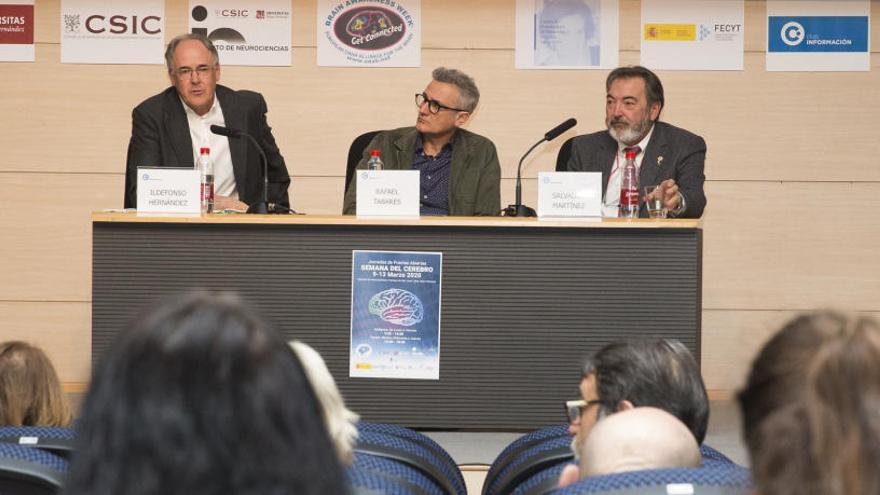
{"points": [[792, 33]]}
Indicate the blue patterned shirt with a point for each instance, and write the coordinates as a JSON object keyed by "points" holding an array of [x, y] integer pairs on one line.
{"points": [[435, 171]]}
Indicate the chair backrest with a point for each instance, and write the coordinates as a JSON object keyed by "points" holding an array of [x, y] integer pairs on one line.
{"points": [[728, 480], [363, 481], [412, 454], [403, 474], [553, 451], [564, 155], [420, 438], [355, 153], [517, 447], [713, 457], [30, 471], [56, 440], [541, 482]]}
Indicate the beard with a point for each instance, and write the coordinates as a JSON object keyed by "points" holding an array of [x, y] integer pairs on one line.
{"points": [[628, 134]]}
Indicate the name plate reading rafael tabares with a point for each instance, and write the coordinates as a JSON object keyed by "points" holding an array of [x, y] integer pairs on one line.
{"points": [[388, 193], [569, 194], [168, 191]]}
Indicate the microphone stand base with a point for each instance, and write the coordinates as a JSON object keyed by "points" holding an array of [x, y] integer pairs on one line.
{"points": [[519, 211], [259, 208]]}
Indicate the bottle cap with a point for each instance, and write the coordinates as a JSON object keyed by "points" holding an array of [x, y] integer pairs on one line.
{"points": [[375, 153], [630, 154], [205, 151]]}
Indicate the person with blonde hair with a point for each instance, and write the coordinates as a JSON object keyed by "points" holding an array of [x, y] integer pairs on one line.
{"points": [[30, 392], [340, 420]]}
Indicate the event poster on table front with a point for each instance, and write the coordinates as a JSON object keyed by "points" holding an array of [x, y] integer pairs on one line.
{"points": [[395, 315]]}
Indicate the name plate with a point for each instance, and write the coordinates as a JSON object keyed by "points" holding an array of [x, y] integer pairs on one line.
{"points": [[388, 193], [164, 190], [569, 194]]}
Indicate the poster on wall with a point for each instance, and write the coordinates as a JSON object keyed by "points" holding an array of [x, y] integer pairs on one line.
{"points": [[692, 34], [118, 32], [818, 36], [567, 34], [395, 315], [365, 33], [245, 33], [17, 31]]}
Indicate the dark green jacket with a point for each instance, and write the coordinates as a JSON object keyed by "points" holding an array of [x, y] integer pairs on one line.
{"points": [[474, 181]]}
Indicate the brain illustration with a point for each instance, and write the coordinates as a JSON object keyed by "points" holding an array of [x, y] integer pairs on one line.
{"points": [[367, 22], [397, 306]]}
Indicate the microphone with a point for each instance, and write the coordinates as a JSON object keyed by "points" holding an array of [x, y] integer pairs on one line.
{"points": [[518, 209], [261, 207]]}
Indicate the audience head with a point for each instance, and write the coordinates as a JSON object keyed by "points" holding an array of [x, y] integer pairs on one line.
{"points": [[339, 419], [30, 392], [635, 440], [641, 373], [200, 396], [811, 407]]}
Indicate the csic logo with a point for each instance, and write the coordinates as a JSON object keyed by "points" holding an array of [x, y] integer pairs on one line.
{"points": [[122, 24], [228, 35], [792, 33], [369, 28]]}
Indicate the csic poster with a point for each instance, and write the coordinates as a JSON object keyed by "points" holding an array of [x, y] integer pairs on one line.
{"points": [[118, 32], [245, 33], [395, 315]]}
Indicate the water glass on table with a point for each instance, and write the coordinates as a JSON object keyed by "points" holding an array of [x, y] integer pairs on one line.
{"points": [[654, 202]]}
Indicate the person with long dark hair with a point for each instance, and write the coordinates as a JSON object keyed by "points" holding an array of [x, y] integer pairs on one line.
{"points": [[200, 396]]}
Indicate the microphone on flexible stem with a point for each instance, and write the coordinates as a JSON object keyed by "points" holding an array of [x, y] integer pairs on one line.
{"points": [[518, 209], [261, 207]]}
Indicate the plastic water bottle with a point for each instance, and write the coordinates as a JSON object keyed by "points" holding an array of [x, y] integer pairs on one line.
{"points": [[375, 162], [629, 187], [206, 170]]}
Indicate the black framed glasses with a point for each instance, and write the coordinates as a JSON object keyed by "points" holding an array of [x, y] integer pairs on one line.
{"points": [[201, 71], [575, 408], [434, 106]]}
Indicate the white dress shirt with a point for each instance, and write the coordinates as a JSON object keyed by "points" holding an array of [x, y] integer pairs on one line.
{"points": [[611, 204], [200, 132]]}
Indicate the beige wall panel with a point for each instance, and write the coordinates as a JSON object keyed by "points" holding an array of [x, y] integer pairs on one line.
{"points": [[317, 195], [732, 339], [63, 330], [46, 225], [791, 246]]}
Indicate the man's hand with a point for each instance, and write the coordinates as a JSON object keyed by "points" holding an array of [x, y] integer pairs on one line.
{"points": [[227, 203], [671, 196]]}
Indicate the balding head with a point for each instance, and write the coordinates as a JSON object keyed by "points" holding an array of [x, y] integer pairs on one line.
{"points": [[637, 439]]}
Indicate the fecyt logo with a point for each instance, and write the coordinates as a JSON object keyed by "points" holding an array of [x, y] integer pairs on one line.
{"points": [[817, 34]]}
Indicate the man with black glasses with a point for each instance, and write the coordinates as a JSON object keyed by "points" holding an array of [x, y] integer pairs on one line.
{"points": [[169, 129], [460, 173]]}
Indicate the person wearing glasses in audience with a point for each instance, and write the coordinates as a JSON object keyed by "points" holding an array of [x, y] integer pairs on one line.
{"points": [[169, 129], [638, 373], [460, 173]]}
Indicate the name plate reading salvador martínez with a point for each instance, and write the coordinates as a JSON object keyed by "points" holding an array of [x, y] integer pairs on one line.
{"points": [[569, 194], [168, 191], [388, 193]]}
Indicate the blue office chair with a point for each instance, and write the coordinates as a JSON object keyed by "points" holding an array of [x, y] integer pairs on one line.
{"points": [[417, 437], [541, 482], [732, 480], [517, 447], [413, 479], [541, 456], [56, 440], [30, 471], [414, 455], [713, 457], [366, 482]]}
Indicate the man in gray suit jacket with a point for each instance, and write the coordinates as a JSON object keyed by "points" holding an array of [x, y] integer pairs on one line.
{"points": [[168, 129], [666, 155]]}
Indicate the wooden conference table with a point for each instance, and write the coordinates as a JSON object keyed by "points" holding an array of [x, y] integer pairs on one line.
{"points": [[523, 300]]}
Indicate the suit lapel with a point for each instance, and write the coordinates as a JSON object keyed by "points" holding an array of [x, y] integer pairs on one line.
{"points": [[606, 156], [404, 148], [652, 163], [177, 128], [235, 118]]}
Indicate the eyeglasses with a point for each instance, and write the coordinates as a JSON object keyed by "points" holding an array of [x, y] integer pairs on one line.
{"points": [[434, 106], [201, 70], [575, 408]]}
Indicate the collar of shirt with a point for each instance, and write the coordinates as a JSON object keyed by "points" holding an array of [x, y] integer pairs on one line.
{"points": [[611, 202], [643, 145], [420, 145]]}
